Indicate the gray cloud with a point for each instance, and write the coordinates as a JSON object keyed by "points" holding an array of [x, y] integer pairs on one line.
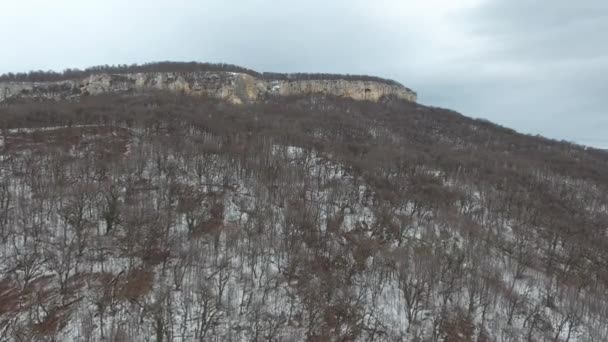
{"points": [[538, 67], [541, 68]]}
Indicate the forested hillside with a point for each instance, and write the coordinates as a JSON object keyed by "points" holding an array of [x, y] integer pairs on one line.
{"points": [[167, 66], [171, 218]]}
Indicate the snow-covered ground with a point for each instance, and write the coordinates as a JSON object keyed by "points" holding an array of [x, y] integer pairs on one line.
{"points": [[165, 239]]}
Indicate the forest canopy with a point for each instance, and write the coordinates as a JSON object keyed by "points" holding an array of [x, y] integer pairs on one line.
{"points": [[175, 218], [68, 74]]}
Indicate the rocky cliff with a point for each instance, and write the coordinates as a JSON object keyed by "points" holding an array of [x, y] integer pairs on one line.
{"points": [[230, 86]]}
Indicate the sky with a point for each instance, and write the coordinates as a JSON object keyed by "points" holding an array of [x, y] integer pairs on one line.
{"points": [[539, 67]]}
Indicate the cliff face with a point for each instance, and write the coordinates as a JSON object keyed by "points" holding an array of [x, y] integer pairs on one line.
{"points": [[230, 86]]}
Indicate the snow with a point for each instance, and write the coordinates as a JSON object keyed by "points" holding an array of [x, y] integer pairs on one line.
{"points": [[249, 266]]}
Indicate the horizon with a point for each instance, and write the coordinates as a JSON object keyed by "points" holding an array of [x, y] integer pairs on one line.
{"points": [[84, 69]]}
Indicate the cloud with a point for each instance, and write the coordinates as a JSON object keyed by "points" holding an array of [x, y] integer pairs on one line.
{"points": [[539, 67]]}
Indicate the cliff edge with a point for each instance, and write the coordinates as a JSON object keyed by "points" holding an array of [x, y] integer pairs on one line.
{"points": [[234, 87]]}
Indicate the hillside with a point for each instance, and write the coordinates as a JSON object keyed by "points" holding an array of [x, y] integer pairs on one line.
{"points": [[163, 217]]}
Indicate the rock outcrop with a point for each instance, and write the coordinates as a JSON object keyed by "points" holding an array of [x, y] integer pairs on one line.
{"points": [[230, 86]]}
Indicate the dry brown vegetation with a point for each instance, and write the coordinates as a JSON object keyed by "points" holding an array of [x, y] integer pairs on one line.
{"points": [[171, 218], [178, 67]]}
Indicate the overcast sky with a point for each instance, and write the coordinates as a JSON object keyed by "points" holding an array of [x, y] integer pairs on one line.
{"points": [[540, 67]]}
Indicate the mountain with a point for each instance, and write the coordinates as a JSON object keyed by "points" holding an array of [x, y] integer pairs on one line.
{"points": [[146, 215]]}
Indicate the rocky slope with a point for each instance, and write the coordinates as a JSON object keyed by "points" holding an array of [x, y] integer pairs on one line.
{"points": [[232, 86]]}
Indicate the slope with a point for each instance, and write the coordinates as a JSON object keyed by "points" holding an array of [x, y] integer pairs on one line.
{"points": [[172, 218]]}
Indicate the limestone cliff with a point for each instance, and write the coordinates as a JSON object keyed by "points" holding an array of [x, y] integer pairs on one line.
{"points": [[230, 86]]}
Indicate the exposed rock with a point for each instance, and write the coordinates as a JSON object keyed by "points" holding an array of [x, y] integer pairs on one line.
{"points": [[230, 86]]}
